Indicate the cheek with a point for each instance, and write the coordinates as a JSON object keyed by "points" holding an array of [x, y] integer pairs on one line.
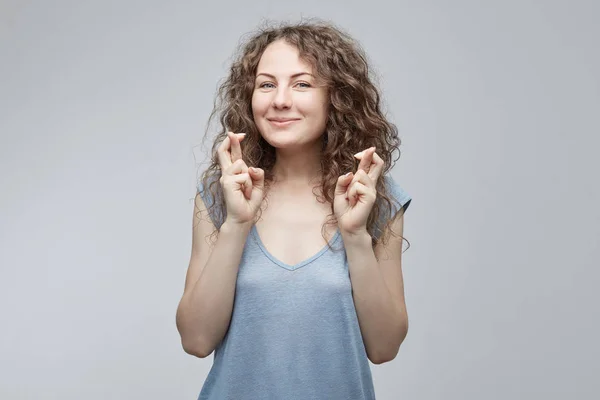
{"points": [[259, 104], [325, 109], [254, 105], [317, 107]]}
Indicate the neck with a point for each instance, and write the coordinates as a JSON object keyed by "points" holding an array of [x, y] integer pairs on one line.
{"points": [[298, 166]]}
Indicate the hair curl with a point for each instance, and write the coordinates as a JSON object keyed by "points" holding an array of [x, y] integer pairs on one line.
{"points": [[355, 121]]}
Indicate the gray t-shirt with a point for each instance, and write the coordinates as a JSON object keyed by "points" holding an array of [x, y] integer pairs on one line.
{"points": [[294, 332]]}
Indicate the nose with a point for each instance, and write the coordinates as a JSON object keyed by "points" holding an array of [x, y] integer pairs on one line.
{"points": [[283, 98]]}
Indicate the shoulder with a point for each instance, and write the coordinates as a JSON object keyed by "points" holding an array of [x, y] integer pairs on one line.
{"points": [[397, 193], [399, 200]]}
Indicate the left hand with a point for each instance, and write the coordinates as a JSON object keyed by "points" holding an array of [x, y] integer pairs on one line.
{"points": [[355, 194]]}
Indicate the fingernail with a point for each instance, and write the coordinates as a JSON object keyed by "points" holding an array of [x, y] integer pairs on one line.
{"points": [[359, 153], [345, 176], [243, 134]]}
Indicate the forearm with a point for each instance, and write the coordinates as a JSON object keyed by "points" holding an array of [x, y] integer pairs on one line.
{"points": [[204, 313], [383, 323]]}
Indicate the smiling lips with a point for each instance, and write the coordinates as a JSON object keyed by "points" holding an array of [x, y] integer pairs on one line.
{"points": [[282, 121]]}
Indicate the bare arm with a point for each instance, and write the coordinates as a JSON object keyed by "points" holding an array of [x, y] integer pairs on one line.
{"points": [[378, 291], [375, 273], [204, 312]]}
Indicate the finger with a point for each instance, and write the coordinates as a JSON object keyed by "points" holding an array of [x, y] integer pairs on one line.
{"points": [[361, 177], [342, 183], [357, 192], [258, 177], [376, 167], [365, 159], [223, 154], [241, 179], [361, 153], [237, 168], [247, 188], [364, 178], [236, 149], [245, 184]]}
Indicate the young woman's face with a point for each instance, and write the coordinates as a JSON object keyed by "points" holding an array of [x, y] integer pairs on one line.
{"points": [[289, 107]]}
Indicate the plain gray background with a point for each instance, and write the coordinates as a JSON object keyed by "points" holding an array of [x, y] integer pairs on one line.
{"points": [[103, 105]]}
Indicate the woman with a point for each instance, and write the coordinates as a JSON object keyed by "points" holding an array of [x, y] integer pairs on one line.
{"points": [[303, 284]]}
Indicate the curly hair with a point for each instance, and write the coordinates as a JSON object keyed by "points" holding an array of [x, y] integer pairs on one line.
{"points": [[355, 121]]}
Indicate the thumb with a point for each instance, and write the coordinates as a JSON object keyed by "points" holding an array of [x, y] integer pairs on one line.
{"points": [[258, 177], [342, 183]]}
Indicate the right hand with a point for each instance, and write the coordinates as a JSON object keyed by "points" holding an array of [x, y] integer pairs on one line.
{"points": [[243, 188]]}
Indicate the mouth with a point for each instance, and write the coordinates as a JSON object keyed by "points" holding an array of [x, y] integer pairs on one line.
{"points": [[282, 122]]}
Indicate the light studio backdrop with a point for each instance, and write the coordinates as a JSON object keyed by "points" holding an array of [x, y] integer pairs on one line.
{"points": [[103, 105]]}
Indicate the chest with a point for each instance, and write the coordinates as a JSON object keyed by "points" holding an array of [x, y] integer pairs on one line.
{"points": [[290, 228]]}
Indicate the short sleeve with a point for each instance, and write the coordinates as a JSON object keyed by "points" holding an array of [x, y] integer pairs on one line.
{"points": [[397, 196], [398, 193], [215, 213]]}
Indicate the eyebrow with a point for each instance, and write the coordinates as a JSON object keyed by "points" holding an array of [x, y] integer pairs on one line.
{"points": [[291, 76]]}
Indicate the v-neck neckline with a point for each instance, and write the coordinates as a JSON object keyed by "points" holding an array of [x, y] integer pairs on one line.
{"points": [[280, 263]]}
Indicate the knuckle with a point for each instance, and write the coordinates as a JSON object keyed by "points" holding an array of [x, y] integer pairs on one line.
{"points": [[229, 170], [240, 163]]}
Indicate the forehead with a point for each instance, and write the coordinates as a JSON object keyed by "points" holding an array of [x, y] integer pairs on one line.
{"points": [[281, 58]]}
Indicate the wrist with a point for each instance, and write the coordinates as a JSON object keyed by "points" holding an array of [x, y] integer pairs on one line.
{"points": [[356, 236], [235, 226]]}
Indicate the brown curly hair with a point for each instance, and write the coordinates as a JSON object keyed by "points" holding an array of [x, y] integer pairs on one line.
{"points": [[355, 121]]}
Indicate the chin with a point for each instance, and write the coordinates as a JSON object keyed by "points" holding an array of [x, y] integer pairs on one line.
{"points": [[281, 143], [288, 137], [280, 136]]}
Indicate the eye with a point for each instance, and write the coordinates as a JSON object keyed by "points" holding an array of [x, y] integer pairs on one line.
{"points": [[265, 85], [305, 85]]}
